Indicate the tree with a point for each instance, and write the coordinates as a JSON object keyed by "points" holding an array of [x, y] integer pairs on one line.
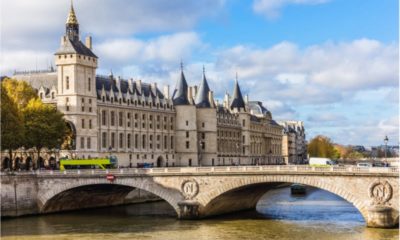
{"points": [[44, 125], [11, 124], [20, 92], [322, 146]]}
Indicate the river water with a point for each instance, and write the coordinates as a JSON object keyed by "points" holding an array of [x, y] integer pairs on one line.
{"points": [[318, 215]]}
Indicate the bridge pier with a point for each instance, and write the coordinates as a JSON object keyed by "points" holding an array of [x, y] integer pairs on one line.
{"points": [[381, 217], [188, 209]]}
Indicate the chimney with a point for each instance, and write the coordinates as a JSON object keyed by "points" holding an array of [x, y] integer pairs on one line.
{"points": [[63, 40], [195, 90], [166, 92], [89, 42], [246, 99], [139, 86], [190, 95], [154, 88], [211, 98]]}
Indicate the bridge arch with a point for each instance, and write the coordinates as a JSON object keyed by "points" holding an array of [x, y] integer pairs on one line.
{"points": [[254, 187], [46, 196]]}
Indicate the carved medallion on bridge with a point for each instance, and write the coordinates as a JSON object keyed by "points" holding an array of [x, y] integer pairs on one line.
{"points": [[380, 192], [190, 188]]}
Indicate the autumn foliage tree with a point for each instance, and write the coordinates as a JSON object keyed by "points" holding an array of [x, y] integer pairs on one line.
{"points": [[322, 146], [26, 121]]}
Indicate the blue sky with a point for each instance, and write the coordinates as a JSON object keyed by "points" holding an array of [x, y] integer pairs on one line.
{"points": [[330, 63]]}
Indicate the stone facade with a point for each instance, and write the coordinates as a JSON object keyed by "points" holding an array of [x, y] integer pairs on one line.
{"points": [[139, 123], [294, 145]]}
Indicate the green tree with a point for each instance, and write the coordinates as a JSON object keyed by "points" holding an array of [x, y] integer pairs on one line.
{"points": [[44, 125], [11, 124], [322, 146]]}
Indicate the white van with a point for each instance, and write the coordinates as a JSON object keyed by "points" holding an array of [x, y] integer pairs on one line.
{"points": [[364, 164]]}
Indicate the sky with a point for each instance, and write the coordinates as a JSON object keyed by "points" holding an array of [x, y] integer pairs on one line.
{"points": [[333, 64]]}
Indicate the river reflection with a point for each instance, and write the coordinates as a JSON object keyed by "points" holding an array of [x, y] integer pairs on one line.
{"points": [[318, 215]]}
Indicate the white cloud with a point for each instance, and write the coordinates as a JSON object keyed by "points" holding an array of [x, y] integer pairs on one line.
{"points": [[163, 49], [272, 8], [37, 23]]}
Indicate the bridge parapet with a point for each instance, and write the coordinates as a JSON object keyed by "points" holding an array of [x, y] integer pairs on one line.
{"points": [[301, 169]]}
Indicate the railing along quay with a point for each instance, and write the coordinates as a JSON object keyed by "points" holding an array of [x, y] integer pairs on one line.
{"points": [[215, 169]]}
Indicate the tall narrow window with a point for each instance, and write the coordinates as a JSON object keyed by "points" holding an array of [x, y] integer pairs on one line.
{"points": [[104, 140], [172, 142], [82, 142], [187, 144], [136, 140], [67, 82], [89, 84], [120, 119], [128, 141], [103, 117], [83, 123], [144, 141], [112, 118], [89, 143], [121, 140], [90, 123], [113, 140]]}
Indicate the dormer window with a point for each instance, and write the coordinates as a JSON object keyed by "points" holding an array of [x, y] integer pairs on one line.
{"points": [[41, 95], [52, 95], [104, 99], [120, 101]]}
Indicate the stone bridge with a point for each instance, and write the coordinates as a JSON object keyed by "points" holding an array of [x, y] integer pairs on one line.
{"points": [[199, 192]]}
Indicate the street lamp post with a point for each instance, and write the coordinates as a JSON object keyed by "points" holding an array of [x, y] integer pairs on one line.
{"points": [[386, 140]]}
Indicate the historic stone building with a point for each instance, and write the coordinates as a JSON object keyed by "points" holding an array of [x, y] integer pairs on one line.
{"points": [[139, 123], [294, 145]]}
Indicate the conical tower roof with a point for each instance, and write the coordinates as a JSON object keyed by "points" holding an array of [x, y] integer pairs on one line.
{"points": [[237, 98], [72, 20], [180, 95], [202, 97]]}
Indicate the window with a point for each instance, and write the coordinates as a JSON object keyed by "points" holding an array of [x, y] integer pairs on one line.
{"points": [[52, 95], [172, 142], [90, 123], [41, 95], [187, 123], [89, 143], [203, 124], [89, 84], [67, 82], [129, 120], [67, 101], [120, 119], [203, 135], [165, 142], [244, 122], [112, 118], [203, 145], [104, 140], [243, 139], [128, 141], [103, 117], [187, 134], [83, 105], [83, 123], [82, 142], [143, 141], [136, 140], [190, 162], [121, 140], [112, 140], [187, 145]]}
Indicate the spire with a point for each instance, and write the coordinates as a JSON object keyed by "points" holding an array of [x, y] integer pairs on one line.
{"points": [[180, 95], [202, 97], [72, 25], [237, 98], [72, 17]]}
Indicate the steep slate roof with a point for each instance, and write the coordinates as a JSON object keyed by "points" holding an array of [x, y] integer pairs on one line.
{"points": [[75, 47], [180, 95], [237, 98], [111, 85], [202, 99]]}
